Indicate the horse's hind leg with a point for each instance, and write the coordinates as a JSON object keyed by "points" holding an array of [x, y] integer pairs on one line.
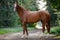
{"points": [[48, 27], [43, 26]]}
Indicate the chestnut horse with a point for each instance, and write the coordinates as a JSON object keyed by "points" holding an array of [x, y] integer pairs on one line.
{"points": [[32, 17]]}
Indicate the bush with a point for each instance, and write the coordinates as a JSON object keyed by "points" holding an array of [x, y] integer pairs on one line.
{"points": [[55, 30], [8, 18]]}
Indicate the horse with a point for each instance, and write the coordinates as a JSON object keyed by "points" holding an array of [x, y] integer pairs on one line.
{"points": [[27, 16]]}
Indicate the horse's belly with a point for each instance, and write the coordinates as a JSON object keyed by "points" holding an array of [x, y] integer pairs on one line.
{"points": [[33, 19]]}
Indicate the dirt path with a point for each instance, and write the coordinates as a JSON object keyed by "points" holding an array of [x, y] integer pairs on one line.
{"points": [[33, 35]]}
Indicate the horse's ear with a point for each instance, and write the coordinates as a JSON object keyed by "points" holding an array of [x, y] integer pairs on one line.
{"points": [[16, 1]]}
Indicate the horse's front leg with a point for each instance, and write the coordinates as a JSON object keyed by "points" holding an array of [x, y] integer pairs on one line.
{"points": [[43, 28], [25, 30]]}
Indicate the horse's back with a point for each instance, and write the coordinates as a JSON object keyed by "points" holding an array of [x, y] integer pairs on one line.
{"points": [[32, 16], [45, 15]]}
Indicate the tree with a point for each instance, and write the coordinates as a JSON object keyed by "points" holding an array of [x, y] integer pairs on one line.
{"points": [[53, 7], [55, 4], [29, 4], [7, 16]]}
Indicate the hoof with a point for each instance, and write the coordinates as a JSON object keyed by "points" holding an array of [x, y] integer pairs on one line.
{"points": [[24, 36]]}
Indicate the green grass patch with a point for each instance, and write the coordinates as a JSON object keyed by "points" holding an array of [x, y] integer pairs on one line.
{"points": [[57, 37], [13, 30]]}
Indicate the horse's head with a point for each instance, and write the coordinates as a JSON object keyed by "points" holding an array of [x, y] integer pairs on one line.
{"points": [[15, 5]]}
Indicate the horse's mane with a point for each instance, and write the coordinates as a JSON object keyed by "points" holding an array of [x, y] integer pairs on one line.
{"points": [[21, 7]]}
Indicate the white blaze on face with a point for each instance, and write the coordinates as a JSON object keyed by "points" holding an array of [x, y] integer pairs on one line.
{"points": [[15, 6]]}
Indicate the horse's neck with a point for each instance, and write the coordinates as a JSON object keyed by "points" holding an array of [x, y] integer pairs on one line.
{"points": [[20, 11]]}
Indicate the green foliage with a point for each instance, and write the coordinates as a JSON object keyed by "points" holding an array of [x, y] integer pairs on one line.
{"points": [[54, 4], [29, 4], [55, 30], [7, 16], [53, 7], [12, 30], [32, 25]]}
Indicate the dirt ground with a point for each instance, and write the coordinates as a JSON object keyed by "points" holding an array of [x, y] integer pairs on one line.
{"points": [[33, 35]]}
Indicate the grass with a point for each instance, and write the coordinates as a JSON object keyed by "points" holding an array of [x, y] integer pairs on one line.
{"points": [[13, 30], [57, 37], [55, 31]]}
